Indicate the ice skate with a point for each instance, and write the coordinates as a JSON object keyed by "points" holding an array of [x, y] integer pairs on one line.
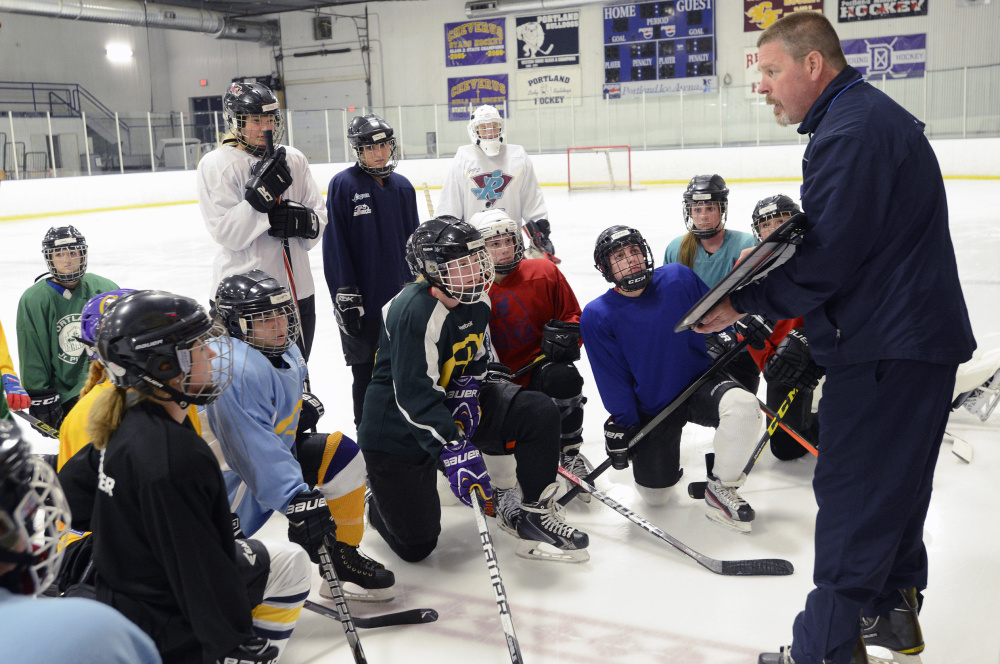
{"points": [[545, 536], [362, 579], [896, 635], [860, 656], [577, 464], [724, 506], [507, 508]]}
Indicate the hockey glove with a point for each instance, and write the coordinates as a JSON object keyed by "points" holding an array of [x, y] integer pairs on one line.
{"points": [[561, 341], [291, 219], [269, 178], [256, 650], [312, 410], [310, 524], [462, 401], [719, 344], [540, 231], [46, 405], [17, 398], [498, 373], [755, 328], [616, 439], [792, 363], [465, 468], [349, 307], [237, 528]]}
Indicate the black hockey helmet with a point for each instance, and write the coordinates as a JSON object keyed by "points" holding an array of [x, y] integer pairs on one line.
{"points": [[618, 237], [772, 207], [151, 337], [246, 99], [246, 303], [64, 238], [701, 189], [364, 133], [34, 515], [451, 255]]}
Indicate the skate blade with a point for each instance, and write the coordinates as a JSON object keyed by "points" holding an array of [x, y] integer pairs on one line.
{"points": [[716, 516], [531, 550], [355, 593], [880, 655]]}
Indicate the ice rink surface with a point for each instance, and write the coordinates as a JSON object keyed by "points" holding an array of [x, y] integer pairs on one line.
{"points": [[637, 600]]}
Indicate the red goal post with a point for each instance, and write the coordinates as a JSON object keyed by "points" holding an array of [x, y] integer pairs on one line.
{"points": [[600, 167]]}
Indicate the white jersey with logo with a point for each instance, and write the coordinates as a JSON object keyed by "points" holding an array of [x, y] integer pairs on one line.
{"points": [[505, 182]]}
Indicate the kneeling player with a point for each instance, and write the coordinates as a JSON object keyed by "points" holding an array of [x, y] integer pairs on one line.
{"points": [[640, 366], [318, 480]]}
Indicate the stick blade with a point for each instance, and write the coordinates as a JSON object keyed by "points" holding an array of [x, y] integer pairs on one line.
{"points": [[754, 567]]}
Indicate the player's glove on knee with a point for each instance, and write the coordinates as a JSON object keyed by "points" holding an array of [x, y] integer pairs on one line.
{"points": [[465, 468], [291, 219], [17, 398], [792, 364], [310, 524], [719, 344], [616, 440], [269, 178], [462, 401], [755, 328], [256, 650], [561, 341], [349, 307], [540, 231], [46, 405]]}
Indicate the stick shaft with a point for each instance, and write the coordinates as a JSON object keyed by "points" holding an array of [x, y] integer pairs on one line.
{"points": [[333, 583], [427, 195]]}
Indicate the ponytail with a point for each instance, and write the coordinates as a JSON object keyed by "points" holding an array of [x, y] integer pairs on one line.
{"points": [[107, 413], [689, 248]]}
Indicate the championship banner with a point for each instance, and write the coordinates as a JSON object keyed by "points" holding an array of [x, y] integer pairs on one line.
{"points": [[467, 93], [866, 10], [474, 43], [751, 75], [760, 14], [548, 40], [903, 56], [555, 87], [659, 48]]}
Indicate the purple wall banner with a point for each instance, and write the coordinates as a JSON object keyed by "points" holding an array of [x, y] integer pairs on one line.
{"points": [[474, 43], [475, 91], [867, 10], [902, 56]]}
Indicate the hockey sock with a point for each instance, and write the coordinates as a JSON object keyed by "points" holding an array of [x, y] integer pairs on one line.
{"points": [[502, 469], [287, 588], [341, 478], [738, 431]]}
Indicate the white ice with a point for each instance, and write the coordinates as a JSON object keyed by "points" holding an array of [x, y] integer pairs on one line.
{"points": [[637, 600]]}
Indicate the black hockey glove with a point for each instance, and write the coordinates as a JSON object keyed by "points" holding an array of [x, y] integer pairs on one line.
{"points": [[256, 650], [312, 410], [755, 328], [349, 307], [561, 341], [237, 529], [616, 439], [291, 219], [46, 405], [719, 344], [498, 373], [792, 364], [269, 178], [310, 524], [540, 231]]}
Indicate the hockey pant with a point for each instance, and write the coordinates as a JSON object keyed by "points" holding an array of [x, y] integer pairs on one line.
{"points": [[334, 463], [561, 382]]}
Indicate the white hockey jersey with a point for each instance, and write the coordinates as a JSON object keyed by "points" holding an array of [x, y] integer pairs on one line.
{"points": [[505, 182], [241, 231]]}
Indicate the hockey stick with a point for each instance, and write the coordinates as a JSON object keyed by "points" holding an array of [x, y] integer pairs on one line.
{"points": [[542, 358], [408, 617], [478, 508], [38, 425], [326, 567], [752, 567], [697, 489], [716, 366], [427, 195]]}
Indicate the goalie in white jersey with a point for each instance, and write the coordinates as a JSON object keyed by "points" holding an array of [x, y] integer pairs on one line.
{"points": [[491, 174]]}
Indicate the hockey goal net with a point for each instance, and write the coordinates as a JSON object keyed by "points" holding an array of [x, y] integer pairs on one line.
{"points": [[600, 167]]}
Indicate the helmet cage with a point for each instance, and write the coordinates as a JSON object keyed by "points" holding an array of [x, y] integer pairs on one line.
{"points": [[257, 325], [494, 233], [450, 269], [776, 207], [486, 129], [238, 126], [617, 240], [72, 242], [365, 153], [701, 198]]}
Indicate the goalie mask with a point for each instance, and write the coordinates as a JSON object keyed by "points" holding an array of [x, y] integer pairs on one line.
{"points": [[150, 338], [771, 212], [706, 202], [90, 317], [65, 252], [373, 142], [257, 309], [486, 130], [623, 256], [251, 108], [34, 516], [502, 237], [451, 255]]}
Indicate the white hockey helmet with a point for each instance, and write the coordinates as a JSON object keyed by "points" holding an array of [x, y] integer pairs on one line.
{"points": [[503, 239], [486, 130]]}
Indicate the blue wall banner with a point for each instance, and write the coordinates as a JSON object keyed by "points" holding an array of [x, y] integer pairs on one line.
{"points": [[867, 10], [474, 43], [659, 48], [469, 92], [903, 56], [548, 40]]}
